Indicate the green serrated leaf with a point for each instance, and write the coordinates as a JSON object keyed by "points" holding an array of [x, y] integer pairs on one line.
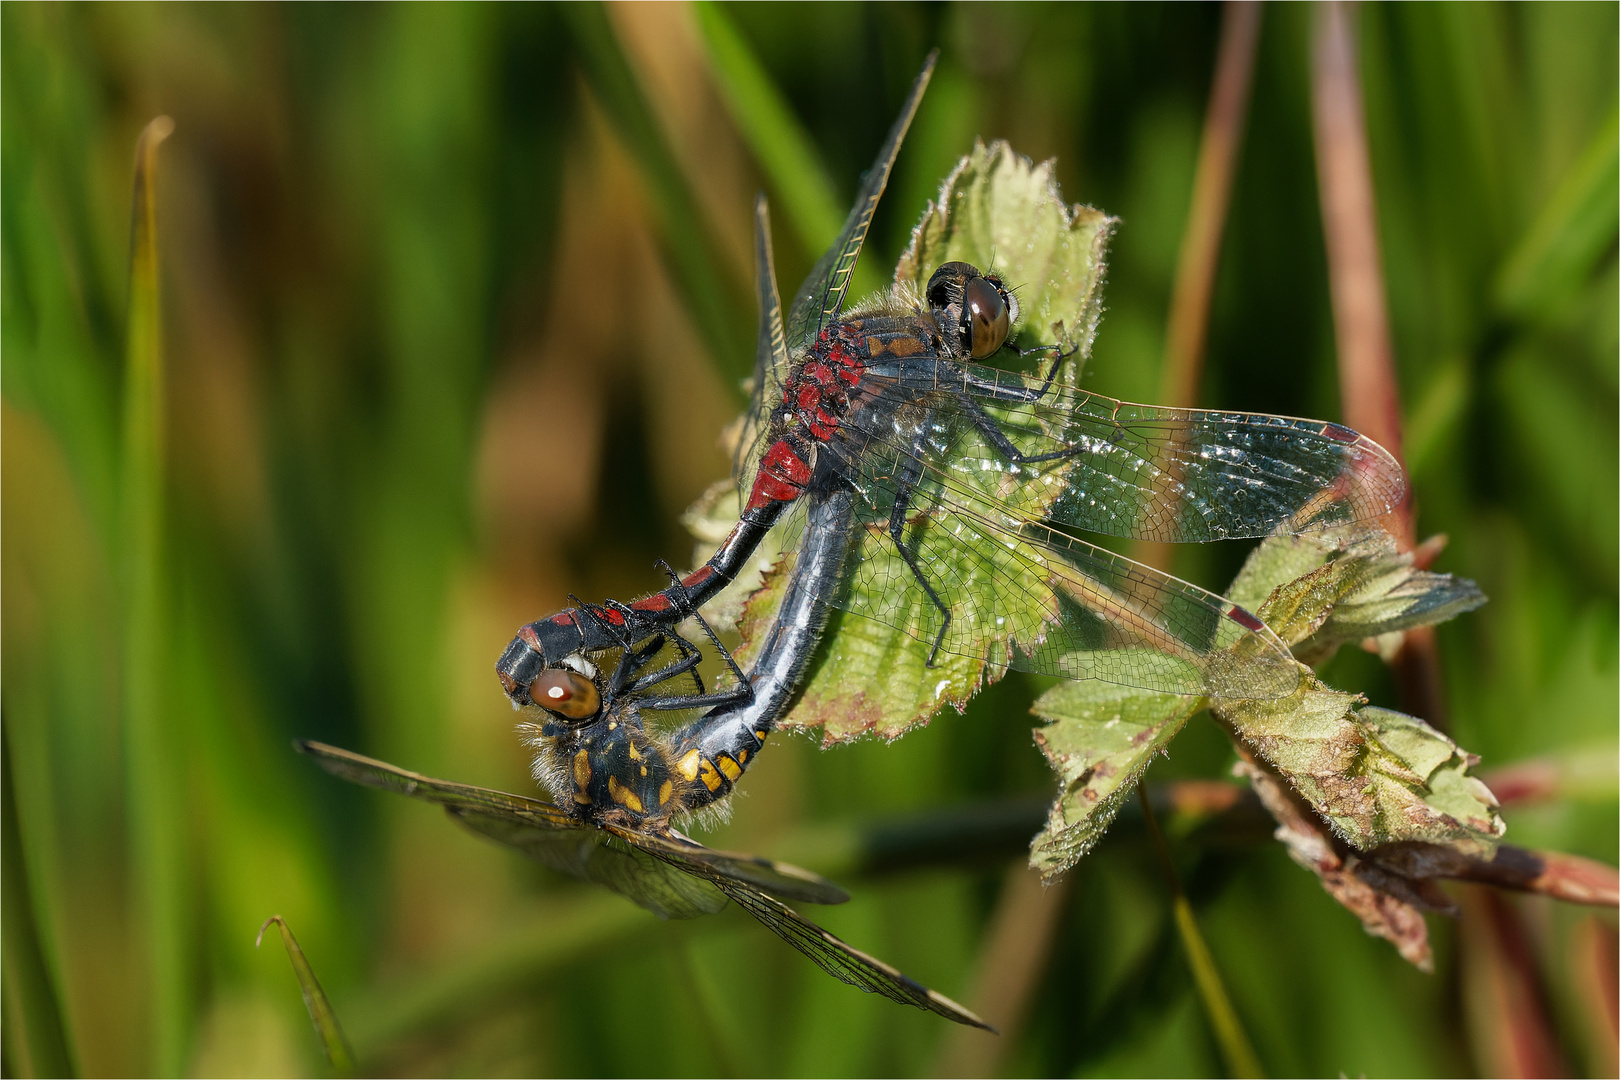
{"points": [[1099, 739], [1319, 591], [1377, 776]]}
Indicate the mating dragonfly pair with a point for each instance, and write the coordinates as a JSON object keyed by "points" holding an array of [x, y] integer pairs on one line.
{"points": [[879, 422]]}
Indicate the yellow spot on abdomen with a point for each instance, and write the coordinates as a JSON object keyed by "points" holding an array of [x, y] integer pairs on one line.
{"points": [[635, 755], [710, 778], [688, 766], [742, 756], [663, 792], [729, 767], [623, 795], [760, 735]]}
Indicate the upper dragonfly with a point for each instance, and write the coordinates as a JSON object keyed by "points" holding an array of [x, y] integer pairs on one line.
{"points": [[979, 476]]}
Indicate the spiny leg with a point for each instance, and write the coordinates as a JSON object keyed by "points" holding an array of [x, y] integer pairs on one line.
{"points": [[905, 486], [1022, 395], [742, 692]]}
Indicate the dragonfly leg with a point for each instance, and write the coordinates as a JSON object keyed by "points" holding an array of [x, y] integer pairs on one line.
{"points": [[632, 663], [743, 692], [905, 485], [998, 438], [1020, 394], [616, 619]]}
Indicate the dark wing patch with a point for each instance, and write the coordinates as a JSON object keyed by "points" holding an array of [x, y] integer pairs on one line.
{"points": [[360, 769], [842, 961]]}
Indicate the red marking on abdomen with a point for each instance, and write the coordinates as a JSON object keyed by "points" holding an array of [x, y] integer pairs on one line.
{"points": [[655, 602], [531, 639], [782, 476], [698, 577], [1245, 620]]}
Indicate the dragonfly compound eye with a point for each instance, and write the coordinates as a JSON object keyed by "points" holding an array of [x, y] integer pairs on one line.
{"points": [[985, 317], [566, 693]]}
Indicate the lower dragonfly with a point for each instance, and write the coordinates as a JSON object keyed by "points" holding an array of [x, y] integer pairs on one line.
{"points": [[980, 476], [619, 789]]}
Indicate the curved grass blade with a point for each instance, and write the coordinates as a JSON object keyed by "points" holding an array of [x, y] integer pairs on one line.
{"points": [[320, 1009], [696, 266], [780, 144]]}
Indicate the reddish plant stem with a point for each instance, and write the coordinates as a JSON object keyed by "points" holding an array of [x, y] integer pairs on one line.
{"points": [[1188, 323], [1367, 386], [1506, 1005]]}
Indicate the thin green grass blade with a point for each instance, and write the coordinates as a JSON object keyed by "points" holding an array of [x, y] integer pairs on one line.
{"points": [[712, 289], [321, 1013], [36, 1038], [779, 142], [1574, 228], [155, 807], [1236, 1049]]}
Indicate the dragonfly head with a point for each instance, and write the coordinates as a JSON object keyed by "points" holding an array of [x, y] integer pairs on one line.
{"points": [[566, 693], [542, 646], [975, 310]]}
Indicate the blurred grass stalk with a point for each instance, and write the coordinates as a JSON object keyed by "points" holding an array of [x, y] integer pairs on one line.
{"points": [[711, 284], [33, 1010], [779, 142], [156, 772], [1370, 395]]}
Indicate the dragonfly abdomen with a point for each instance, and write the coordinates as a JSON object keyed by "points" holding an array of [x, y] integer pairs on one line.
{"points": [[546, 642]]}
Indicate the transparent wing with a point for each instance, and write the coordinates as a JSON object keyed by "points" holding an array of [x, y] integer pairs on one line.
{"points": [[1020, 591], [665, 890], [778, 878], [540, 830], [822, 295], [841, 961], [1167, 475], [770, 354]]}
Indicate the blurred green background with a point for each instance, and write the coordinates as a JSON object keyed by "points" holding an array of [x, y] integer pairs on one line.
{"points": [[455, 300]]}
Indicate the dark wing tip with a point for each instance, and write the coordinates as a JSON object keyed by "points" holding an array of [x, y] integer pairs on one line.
{"points": [[960, 1013]]}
